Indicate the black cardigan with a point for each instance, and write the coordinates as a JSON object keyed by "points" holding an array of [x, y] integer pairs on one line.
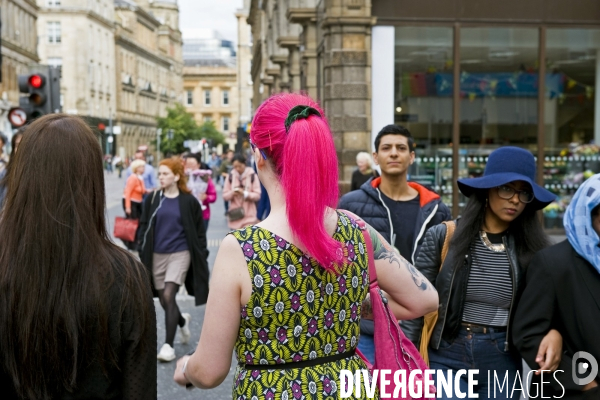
{"points": [[196, 281], [562, 291]]}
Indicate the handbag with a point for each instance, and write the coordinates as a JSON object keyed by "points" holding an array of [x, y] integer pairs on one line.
{"points": [[236, 214], [429, 320], [393, 350], [125, 229]]}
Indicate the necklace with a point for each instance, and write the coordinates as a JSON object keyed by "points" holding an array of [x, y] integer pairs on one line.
{"points": [[496, 248]]}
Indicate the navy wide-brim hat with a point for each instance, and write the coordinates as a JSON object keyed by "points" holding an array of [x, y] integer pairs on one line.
{"points": [[509, 164]]}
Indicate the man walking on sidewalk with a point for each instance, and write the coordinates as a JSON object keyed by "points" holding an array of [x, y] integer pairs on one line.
{"points": [[399, 210]]}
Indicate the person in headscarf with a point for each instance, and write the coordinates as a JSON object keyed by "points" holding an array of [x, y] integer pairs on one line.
{"points": [[563, 292]]}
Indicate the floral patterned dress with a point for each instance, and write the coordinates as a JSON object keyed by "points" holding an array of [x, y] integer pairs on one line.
{"points": [[298, 311]]}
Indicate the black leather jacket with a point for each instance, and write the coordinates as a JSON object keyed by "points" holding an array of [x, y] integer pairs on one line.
{"points": [[451, 284]]}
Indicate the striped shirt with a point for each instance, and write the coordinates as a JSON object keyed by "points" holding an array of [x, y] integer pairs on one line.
{"points": [[489, 288]]}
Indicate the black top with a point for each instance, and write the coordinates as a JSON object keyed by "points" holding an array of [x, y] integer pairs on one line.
{"points": [[136, 376], [562, 292], [358, 179], [196, 279], [404, 218]]}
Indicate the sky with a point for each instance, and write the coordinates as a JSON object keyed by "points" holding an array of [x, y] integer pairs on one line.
{"points": [[198, 17]]}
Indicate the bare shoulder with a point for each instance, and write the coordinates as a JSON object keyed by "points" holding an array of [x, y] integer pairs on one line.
{"points": [[230, 247]]}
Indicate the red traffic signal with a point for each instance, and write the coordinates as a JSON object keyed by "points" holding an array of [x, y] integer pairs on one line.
{"points": [[36, 81]]}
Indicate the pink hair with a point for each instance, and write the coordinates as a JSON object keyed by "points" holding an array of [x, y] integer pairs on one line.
{"points": [[305, 160]]}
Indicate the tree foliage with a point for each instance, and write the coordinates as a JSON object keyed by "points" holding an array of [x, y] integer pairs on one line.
{"points": [[180, 125]]}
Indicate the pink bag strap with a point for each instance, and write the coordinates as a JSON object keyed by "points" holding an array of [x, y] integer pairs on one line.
{"points": [[363, 227]]}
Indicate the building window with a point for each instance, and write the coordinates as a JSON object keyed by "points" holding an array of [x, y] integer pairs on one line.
{"points": [[225, 97], [225, 124], [189, 97], [54, 32], [207, 118], [55, 61], [53, 3], [207, 97]]}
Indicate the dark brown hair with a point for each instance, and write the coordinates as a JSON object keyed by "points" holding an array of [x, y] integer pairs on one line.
{"points": [[57, 262]]}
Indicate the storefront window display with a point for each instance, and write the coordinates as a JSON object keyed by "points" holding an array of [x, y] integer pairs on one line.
{"points": [[498, 92], [499, 80], [422, 56], [572, 125]]}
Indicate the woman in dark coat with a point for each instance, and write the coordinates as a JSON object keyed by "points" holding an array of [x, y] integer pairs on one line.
{"points": [[562, 291], [479, 282], [173, 248], [77, 320]]}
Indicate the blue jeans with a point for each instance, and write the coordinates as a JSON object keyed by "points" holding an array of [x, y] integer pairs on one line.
{"points": [[366, 345], [482, 351]]}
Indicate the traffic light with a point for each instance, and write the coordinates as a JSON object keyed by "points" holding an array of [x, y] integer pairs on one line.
{"points": [[42, 89]]}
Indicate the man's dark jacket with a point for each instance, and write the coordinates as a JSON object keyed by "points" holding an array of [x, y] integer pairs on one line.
{"points": [[196, 281], [368, 204]]}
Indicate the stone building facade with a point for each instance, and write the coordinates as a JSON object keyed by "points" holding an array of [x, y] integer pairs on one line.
{"points": [[149, 69], [244, 65], [211, 93], [78, 36], [217, 79], [19, 49], [323, 48]]}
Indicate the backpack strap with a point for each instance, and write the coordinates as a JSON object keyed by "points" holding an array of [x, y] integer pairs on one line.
{"points": [[450, 228]]}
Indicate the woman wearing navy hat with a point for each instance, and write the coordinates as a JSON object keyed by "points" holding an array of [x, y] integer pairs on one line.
{"points": [[479, 282]]}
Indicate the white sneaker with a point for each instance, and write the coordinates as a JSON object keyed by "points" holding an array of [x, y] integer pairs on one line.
{"points": [[185, 329], [166, 354]]}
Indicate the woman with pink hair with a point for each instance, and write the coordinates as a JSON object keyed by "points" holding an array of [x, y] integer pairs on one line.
{"points": [[286, 293]]}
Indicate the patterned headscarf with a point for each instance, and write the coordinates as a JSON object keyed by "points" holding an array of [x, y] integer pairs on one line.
{"points": [[578, 221]]}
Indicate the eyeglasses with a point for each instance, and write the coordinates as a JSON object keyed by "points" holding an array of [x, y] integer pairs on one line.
{"points": [[507, 193], [254, 147]]}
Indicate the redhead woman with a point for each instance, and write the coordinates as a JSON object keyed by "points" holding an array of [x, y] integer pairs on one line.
{"points": [[286, 293], [173, 249]]}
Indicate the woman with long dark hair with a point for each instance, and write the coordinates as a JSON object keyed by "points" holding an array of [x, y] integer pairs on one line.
{"points": [[479, 282], [286, 294], [173, 248], [76, 312]]}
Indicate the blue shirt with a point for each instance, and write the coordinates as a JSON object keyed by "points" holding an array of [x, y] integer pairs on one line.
{"points": [[169, 236], [149, 176]]}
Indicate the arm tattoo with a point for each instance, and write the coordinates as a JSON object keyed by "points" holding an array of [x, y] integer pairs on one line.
{"points": [[384, 251]]}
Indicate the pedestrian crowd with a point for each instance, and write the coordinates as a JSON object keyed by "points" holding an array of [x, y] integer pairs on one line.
{"points": [[291, 292]]}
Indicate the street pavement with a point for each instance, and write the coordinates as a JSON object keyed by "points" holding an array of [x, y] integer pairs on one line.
{"points": [[167, 388]]}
